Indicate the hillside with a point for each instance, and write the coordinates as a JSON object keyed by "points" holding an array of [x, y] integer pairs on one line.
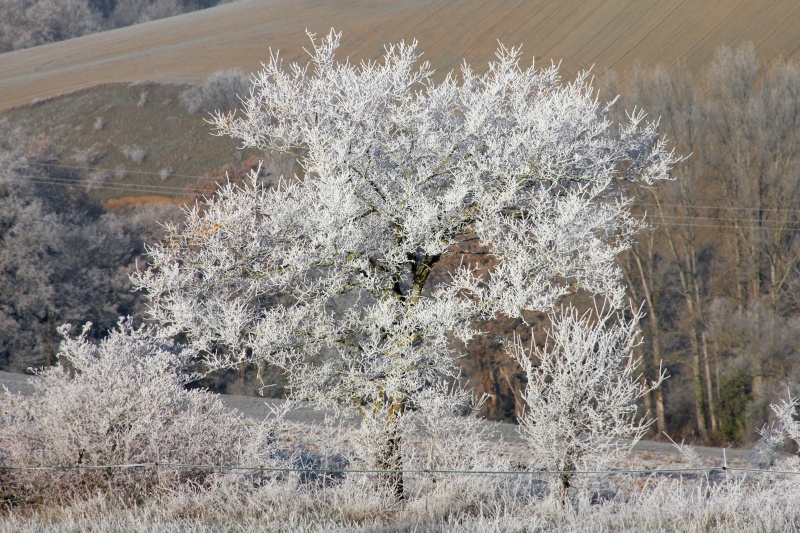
{"points": [[606, 33]]}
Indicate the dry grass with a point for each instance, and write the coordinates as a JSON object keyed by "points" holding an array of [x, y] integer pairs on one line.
{"points": [[466, 505], [118, 204], [159, 149]]}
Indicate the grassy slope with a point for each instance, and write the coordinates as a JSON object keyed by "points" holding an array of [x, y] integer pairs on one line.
{"points": [[606, 33], [100, 131]]}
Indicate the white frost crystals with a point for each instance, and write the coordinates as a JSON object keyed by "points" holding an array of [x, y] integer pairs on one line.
{"points": [[123, 403], [580, 401], [356, 276]]}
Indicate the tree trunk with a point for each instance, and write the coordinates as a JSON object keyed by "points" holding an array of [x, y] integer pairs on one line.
{"points": [[661, 419], [242, 373], [709, 383], [698, 386], [391, 460], [566, 475], [647, 282], [51, 333]]}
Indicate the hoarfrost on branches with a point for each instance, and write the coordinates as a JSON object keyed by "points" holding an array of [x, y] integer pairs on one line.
{"points": [[580, 401], [121, 402], [328, 276]]}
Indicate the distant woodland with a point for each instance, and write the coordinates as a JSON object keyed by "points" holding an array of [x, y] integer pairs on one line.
{"points": [[26, 23], [718, 273], [63, 257]]}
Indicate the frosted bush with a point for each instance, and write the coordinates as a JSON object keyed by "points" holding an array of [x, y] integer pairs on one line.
{"points": [[786, 426], [97, 179], [450, 442], [580, 401], [165, 173], [121, 402], [134, 153], [89, 156], [220, 92]]}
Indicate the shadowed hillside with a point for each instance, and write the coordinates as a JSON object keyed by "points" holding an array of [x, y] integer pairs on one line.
{"points": [[608, 34]]}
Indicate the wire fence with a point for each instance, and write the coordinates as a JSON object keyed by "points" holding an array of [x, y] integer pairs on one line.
{"points": [[339, 471]]}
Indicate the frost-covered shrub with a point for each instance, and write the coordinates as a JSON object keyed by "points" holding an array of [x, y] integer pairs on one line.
{"points": [[580, 401], [786, 426], [220, 92], [121, 402], [135, 153], [450, 443], [165, 173], [90, 155], [97, 179]]}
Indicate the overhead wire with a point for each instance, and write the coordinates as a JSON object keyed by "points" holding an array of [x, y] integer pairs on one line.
{"points": [[175, 191], [655, 218], [79, 167], [720, 207]]}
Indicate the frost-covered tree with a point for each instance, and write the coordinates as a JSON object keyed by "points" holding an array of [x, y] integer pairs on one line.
{"points": [[62, 257], [329, 275], [580, 401]]}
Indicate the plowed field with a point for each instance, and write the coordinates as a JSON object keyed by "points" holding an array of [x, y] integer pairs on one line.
{"points": [[580, 33]]}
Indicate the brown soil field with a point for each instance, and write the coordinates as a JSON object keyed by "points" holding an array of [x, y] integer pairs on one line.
{"points": [[606, 34]]}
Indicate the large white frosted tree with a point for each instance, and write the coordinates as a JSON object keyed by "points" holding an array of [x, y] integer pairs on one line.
{"points": [[328, 275]]}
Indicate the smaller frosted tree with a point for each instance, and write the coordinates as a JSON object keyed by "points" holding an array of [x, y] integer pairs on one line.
{"points": [[329, 276], [580, 401]]}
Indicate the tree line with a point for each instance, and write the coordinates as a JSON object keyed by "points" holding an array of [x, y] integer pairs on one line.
{"points": [[718, 273], [26, 23]]}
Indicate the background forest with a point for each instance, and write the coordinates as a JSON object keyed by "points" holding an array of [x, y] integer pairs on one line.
{"points": [[26, 23], [717, 273]]}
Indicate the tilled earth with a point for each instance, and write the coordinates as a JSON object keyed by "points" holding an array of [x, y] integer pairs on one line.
{"points": [[612, 34]]}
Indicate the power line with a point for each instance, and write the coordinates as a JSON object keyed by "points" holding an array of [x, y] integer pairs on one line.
{"points": [[723, 226], [658, 219], [694, 217], [637, 204], [173, 191], [78, 167], [721, 207]]}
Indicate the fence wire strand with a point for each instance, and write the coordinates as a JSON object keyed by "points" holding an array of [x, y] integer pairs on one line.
{"points": [[521, 471]]}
